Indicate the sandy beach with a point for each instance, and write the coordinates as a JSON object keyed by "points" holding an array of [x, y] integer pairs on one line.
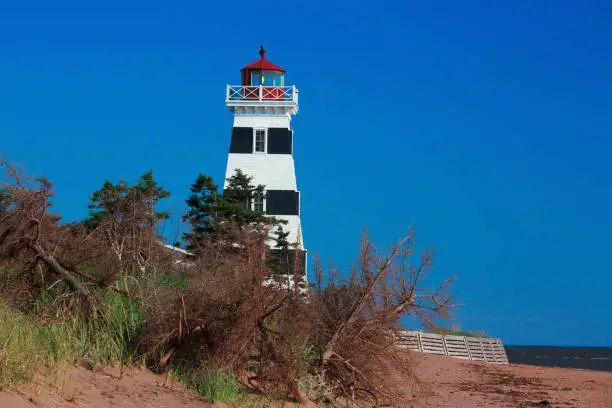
{"points": [[442, 382], [450, 382]]}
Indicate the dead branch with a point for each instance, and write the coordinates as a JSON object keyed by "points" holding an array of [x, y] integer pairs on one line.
{"points": [[363, 299], [72, 281]]}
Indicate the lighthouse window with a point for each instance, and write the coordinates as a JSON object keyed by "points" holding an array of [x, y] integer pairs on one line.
{"points": [[258, 203], [266, 78], [260, 140], [257, 78], [275, 79]]}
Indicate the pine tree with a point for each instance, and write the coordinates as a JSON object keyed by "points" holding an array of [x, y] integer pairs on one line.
{"points": [[210, 212], [150, 193], [281, 238], [112, 201], [280, 261], [238, 198], [202, 204]]}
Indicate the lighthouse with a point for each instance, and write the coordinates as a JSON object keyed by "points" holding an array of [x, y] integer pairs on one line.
{"points": [[261, 144]]}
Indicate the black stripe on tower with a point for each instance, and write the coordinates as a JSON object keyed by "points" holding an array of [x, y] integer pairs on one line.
{"points": [[242, 140], [280, 141], [283, 202], [289, 261]]}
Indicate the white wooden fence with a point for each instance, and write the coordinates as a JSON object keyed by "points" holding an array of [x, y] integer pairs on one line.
{"points": [[468, 348]]}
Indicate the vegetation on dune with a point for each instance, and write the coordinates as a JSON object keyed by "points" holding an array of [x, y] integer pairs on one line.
{"points": [[105, 290], [29, 342], [110, 201], [213, 385], [454, 331], [458, 332], [211, 214]]}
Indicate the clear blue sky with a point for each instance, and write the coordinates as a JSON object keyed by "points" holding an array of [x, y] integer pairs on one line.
{"points": [[488, 123]]}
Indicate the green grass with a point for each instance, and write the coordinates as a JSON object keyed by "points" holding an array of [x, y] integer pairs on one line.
{"points": [[173, 282], [453, 332], [29, 346], [308, 356], [460, 333], [213, 386]]}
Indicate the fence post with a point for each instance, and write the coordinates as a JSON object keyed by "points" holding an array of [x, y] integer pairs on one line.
{"points": [[484, 354], [444, 345], [467, 347]]}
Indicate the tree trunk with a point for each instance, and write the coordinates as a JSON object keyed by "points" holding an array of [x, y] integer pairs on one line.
{"points": [[68, 277], [328, 351]]}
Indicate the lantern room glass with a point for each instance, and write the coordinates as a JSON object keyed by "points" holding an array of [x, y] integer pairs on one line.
{"points": [[267, 78]]}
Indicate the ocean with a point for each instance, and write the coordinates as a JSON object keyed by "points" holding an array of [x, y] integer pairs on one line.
{"points": [[589, 358]]}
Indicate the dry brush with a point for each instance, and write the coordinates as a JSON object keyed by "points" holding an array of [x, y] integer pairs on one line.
{"points": [[332, 342]]}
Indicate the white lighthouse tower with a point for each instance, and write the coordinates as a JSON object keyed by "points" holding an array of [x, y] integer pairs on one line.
{"points": [[262, 141]]}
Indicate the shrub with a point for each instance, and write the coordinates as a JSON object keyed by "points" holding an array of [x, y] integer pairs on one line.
{"points": [[213, 386], [29, 344], [336, 340], [106, 289]]}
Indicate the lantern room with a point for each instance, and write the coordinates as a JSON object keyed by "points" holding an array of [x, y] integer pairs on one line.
{"points": [[263, 85], [262, 72]]}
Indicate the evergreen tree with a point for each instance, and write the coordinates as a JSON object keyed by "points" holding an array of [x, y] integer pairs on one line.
{"points": [[105, 202], [238, 198], [280, 261], [281, 238], [202, 204], [209, 212], [113, 200]]}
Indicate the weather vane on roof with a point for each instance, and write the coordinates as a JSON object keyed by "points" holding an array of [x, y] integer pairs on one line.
{"points": [[262, 52]]}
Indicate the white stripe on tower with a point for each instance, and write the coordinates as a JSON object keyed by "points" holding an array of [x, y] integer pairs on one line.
{"points": [[262, 139]]}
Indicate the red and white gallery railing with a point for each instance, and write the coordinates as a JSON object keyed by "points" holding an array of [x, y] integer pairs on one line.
{"points": [[261, 93]]}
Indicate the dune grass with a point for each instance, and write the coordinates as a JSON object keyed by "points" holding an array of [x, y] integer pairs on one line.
{"points": [[30, 346], [213, 386]]}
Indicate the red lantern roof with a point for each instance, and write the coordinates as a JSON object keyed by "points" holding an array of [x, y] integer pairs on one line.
{"points": [[262, 64]]}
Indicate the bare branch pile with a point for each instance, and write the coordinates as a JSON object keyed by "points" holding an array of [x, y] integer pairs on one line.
{"points": [[336, 341]]}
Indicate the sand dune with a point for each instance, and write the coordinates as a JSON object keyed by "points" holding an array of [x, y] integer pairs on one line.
{"points": [[442, 382]]}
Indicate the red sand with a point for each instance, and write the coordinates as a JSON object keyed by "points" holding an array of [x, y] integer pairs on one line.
{"points": [[457, 383], [444, 382], [103, 389]]}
